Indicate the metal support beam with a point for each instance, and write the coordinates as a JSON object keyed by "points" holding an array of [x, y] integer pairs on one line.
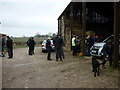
{"points": [[116, 34], [83, 27]]}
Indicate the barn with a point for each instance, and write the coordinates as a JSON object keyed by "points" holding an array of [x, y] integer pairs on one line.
{"points": [[94, 18]]}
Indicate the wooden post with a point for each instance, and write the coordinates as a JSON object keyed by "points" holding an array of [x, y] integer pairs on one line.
{"points": [[58, 25], [83, 27], [64, 25], [71, 23], [116, 34]]}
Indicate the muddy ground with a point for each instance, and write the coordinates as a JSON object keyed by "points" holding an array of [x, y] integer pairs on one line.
{"points": [[24, 71]]}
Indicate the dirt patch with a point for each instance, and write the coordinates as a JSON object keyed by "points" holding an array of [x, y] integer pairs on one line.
{"points": [[24, 71]]}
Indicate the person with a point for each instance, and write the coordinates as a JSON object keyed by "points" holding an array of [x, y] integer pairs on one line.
{"points": [[49, 48], [58, 44], [97, 39], [77, 44], [10, 47], [2, 45], [107, 53], [31, 44], [74, 45], [62, 45], [89, 44]]}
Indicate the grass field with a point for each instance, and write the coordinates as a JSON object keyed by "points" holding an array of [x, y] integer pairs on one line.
{"points": [[24, 39], [20, 42]]}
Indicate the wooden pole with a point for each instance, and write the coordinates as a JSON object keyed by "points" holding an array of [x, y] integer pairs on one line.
{"points": [[116, 35], [58, 25], [71, 23], [83, 27], [64, 25]]}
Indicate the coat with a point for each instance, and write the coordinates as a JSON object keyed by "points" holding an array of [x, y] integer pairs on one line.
{"points": [[107, 50], [9, 43], [58, 43], [31, 44], [48, 44]]}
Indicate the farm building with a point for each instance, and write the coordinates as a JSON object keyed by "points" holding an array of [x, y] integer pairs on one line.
{"points": [[99, 20], [94, 18]]}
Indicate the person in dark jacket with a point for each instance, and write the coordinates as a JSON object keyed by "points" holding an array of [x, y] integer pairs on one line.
{"points": [[89, 44], [78, 44], [58, 47], [9, 47], [107, 53], [62, 45], [2, 45], [49, 48], [31, 44]]}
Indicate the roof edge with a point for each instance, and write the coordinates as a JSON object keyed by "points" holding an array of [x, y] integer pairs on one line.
{"points": [[64, 10]]}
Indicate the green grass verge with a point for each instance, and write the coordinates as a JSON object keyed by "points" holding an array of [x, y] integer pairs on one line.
{"points": [[24, 39], [109, 69]]}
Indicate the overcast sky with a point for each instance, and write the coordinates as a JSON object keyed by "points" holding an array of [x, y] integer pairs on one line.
{"points": [[28, 17]]}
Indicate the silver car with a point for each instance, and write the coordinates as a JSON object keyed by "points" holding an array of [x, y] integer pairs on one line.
{"points": [[44, 45], [96, 49]]}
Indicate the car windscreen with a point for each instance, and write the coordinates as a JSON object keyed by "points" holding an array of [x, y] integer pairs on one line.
{"points": [[110, 38]]}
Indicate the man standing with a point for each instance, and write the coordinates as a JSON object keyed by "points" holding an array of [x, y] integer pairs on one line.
{"points": [[74, 45], [107, 53], [48, 46], [31, 44], [77, 44], [2, 45], [89, 44], [62, 45], [10, 47], [58, 44]]}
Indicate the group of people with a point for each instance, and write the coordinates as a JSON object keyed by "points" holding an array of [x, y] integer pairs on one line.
{"points": [[59, 43], [31, 44], [8, 44], [107, 48], [90, 40], [76, 44]]}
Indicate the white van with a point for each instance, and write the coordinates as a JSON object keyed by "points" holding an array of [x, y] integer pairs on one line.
{"points": [[97, 47]]}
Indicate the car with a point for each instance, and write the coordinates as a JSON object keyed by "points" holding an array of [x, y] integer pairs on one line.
{"points": [[44, 45], [96, 49]]}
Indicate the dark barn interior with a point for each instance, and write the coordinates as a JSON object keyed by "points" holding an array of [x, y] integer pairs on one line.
{"points": [[99, 20], [100, 17], [103, 25]]}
